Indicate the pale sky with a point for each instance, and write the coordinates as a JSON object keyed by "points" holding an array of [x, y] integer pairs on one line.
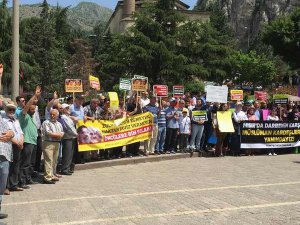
{"points": [[106, 3]]}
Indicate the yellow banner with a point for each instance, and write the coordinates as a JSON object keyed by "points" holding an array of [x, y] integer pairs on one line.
{"points": [[104, 134], [225, 121]]}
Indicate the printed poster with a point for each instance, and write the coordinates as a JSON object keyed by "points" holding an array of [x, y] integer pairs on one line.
{"points": [[73, 85]]}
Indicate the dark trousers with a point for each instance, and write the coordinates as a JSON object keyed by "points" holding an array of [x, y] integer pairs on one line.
{"points": [[236, 143], [38, 154], [117, 151], [133, 149], [171, 136], [78, 157], [14, 169], [184, 140], [25, 163], [67, 154]]}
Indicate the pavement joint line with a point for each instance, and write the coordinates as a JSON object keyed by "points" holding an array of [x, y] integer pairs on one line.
{"points": [[183, 213], [151, 193]]}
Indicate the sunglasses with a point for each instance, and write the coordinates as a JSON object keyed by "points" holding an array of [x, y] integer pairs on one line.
{"points": [[11, 110]]}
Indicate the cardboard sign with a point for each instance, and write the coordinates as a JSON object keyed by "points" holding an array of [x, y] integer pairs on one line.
{"points": [[199, 115], [73, 85], [261, 95], [237, 95], [139, 83], [217, 94], [225, 122], [178, 91], [160, 90], [114, 101], [94, 82], [266, 112], [125, 84]]}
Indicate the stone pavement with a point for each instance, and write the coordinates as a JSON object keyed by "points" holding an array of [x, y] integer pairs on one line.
{"points": [[230, 190]]}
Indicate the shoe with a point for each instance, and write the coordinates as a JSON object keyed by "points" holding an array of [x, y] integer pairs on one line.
{"points": [[3, 216], [162, 152], [58, 175], [55, 178], [66, 173], [173, 152], [31, 182], [48, 182], [270, 153], [274, 154], [23, 186], [167, 152], [158, 153], [6, 192], [16, 189]]}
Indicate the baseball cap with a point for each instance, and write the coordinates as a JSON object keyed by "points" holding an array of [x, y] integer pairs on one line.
{"points": [[64, 106]]}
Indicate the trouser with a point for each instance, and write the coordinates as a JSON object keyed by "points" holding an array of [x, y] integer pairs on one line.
{"points": [[38, 154], [25, 163], [208, 131], [4, 170], [171, 137], [133, 149], [197, 132], [14, 169], [150, 144], [161, 137], [236, 143], [183, 141], [67, 154], [50, 152]]}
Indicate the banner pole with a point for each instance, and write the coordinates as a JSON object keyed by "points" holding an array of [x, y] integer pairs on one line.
{"points": [[124, 100], [73, 97]]}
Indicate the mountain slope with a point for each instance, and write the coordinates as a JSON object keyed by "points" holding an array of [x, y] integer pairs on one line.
{"points": [[84, 16]]}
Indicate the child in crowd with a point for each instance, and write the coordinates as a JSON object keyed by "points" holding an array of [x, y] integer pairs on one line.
{"points": [[184, 130]]}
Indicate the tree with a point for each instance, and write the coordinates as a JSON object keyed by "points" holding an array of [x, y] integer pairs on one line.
{"points": [[283, 34], [150, 47], [254, 68]]}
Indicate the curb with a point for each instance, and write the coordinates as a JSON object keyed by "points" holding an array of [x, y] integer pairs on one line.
{"points": [[132, 161]]}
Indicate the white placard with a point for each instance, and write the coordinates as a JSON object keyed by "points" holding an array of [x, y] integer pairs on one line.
{"points": [[217, 93]]}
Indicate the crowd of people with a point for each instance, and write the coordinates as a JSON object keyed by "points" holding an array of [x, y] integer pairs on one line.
{"points": [[30, 134]]}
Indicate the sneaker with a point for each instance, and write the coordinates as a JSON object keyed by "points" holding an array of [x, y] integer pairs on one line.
{"points": [[274, 154], [173, 152], [270, 153]]}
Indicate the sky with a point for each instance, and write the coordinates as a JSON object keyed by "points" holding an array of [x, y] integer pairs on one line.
{"points": [[106, 3]]}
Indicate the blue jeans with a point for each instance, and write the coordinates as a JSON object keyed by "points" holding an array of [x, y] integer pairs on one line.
{"points": [[197, 132], [161, 136], [4, 168]]}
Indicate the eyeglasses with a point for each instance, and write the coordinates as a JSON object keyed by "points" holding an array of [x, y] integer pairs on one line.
{"points": [[11, 110], [22, 100]]}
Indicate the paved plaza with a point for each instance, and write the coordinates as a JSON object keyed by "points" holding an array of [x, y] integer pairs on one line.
{"points": [[230, 190]]}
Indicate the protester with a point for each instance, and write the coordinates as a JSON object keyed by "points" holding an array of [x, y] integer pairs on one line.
{"points": [[161, 135], [184, 130], [251, 114], [238, 117], [258, 111], [17, 146], [172, 116], [52, 133], [221, 136], [133, 108], [30, 140], [68, 140], [154, 110], [197, 128], [144, 100], [5, 158]]}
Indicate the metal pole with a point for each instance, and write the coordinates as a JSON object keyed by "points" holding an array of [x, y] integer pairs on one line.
{"points": [[15, 48]]}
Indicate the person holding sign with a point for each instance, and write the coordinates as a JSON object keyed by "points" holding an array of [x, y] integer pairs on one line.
{"points": [[197, 126], [184, 130], [152, 108], [238, 116]]}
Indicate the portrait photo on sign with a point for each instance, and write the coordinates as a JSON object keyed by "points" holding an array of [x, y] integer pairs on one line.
{"points": [[89, 135], [139, 84]]}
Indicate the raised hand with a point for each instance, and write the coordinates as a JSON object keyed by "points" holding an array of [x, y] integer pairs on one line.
{"points": [[55, 95], [38, 91], [1, 70]]}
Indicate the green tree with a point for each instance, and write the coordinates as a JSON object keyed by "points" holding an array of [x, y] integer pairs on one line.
{"points": [[251, 67], [283, 34]]}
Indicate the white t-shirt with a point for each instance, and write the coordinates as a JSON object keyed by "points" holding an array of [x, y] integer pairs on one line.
{"points": [[144, 102], [239, 116], [185, 125]]}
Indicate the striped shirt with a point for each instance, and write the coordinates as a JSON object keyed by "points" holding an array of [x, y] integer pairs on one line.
{"points": [[15, 126], [162, 118], [49, 127], [5, 147]]}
